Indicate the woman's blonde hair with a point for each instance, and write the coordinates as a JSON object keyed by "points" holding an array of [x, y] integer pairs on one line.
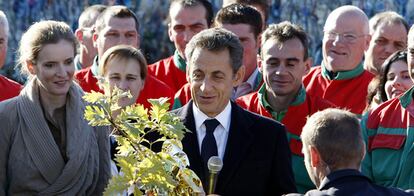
{"points": [[37, 36]]}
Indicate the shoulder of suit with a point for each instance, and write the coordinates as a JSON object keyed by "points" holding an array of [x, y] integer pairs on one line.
{"points": [[262, 121]]}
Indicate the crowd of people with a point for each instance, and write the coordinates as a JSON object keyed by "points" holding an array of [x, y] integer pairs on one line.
{"points": [[245, 89]]}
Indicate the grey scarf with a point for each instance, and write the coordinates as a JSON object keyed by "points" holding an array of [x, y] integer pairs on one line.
{"points": [[80, 175]]}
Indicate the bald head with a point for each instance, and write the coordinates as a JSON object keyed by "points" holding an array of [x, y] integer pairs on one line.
{"points": [[350, 13], [346, 38]]}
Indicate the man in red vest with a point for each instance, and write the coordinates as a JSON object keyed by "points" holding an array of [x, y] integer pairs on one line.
{"points": [[341, 79], [115, 26], [185, 19], [282, 97], [9, 88]]}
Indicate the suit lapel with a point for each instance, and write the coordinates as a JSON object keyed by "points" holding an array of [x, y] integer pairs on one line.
{"points": [[238, 142], [190, 141]]}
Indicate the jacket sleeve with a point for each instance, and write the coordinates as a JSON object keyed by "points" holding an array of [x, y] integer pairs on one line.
{"points": [[102, 134], [283, 173], [5, 141], [366, 166]]}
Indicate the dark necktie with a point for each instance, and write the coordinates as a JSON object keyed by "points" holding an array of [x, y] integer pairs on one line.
{"points": [[209, 145]]}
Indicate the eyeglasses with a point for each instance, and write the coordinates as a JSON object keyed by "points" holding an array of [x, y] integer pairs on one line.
{"points": [[347, 37]]}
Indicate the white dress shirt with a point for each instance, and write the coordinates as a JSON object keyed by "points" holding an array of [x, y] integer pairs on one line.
{"points": [[220, 133]]}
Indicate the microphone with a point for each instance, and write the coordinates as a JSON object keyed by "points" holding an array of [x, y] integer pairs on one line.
{"points": [[214, 165]]}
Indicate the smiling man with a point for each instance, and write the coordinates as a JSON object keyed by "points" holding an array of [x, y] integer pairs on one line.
{"points": [[255, 153], [282, 97], [341, 79], [118, 25]]}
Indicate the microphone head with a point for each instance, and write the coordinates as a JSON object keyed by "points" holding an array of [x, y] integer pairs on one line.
{"points": [[214, 164]]}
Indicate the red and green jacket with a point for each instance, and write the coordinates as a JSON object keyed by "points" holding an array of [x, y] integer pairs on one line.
{"points": [[153, 88], [348, 89], [389, 133], [9, 88], [183, 95], [171, 71], [294, 118]]}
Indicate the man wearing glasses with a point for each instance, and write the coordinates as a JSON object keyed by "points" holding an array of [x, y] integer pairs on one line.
{"points": [[341, 78]]}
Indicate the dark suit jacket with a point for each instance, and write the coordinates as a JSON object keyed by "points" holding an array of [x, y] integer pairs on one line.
{"points": [[349, 182], [257, 157]]}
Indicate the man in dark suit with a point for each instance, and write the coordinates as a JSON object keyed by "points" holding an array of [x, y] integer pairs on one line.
{"points": [[333, 148], [255, 153]]}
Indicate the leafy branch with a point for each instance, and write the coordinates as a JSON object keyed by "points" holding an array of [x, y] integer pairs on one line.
{"points": [[142, 170]]}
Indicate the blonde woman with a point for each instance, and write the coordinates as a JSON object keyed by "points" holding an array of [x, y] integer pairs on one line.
{"points": [[46, 146]]}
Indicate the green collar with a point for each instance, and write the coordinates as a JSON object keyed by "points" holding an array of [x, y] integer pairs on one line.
{"points": [[179, 61], [300, 98], [407, 98], [342, 75]]}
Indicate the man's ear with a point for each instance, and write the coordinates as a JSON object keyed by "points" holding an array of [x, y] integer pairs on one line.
{"points": [[239, 76], [315, 158], [170, 33], [260, 63], [31, 67], [95, 39], [79, 35], [258, 41], [367, 42], [308, 65]]}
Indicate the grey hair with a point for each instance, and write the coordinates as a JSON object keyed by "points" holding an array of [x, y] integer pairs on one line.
{"points": [[217, 39], [388, 17], [4, 22]]}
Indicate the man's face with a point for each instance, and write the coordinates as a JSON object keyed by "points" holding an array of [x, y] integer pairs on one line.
{"points": [[344, 42], [185, 23], [387, 39], [117, 31], [212, 80], [283, 66], [249, 43], [3, 44]]}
